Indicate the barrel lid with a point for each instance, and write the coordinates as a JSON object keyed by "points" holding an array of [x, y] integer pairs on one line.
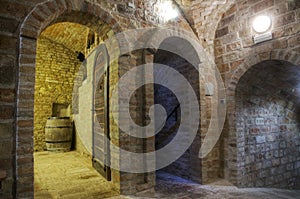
{"points": [[55, 118]]}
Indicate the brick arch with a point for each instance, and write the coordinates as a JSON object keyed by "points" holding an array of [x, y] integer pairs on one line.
{"points": [[45, 13], [215, 16], [206, 23], [292, 57], [285, 55], [40, 17], [156, 39]]}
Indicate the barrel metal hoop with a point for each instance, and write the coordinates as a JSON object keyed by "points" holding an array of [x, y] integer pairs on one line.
{"points": [[57, 127], [55, 142]]}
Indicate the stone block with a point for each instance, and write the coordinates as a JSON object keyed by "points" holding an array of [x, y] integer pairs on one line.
{"points": [[289, 167], [231, 10], [226, 21], [284, 20], [275, 162], [8, 25], [280, 44], [233, 46], [6, 130], [262, 5], [297, 165], [284, 160], [14, 9], [6, 147], [230, 57], [7, 66], [282, 144], [7, 112], [222, 32], [260, 139], [7, 95], [294, 41], [293, 5]]}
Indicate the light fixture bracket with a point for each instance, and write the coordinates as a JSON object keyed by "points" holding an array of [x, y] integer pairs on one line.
{"points": [[262, 37]]}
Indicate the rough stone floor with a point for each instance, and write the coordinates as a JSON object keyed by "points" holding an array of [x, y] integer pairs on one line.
{"points": [[169, 186], [70, 175]]}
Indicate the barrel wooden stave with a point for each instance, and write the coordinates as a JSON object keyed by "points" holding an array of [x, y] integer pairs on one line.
{"points": [[58, 134]]}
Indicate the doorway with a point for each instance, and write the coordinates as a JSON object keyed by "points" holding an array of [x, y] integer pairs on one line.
{"points": [[187, 168], [101, 130], [61, 49]]}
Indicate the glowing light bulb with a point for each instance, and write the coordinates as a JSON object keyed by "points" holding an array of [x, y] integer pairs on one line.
{"points": [[262, 24], [166, 11]]}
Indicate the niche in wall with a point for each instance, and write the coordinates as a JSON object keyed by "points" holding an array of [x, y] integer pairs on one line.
{"points": [[267, 112]]}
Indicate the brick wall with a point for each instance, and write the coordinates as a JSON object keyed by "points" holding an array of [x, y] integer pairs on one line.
{"points": [[188, 166], [41, 16], [56, 67], [7, 110], [12, 13], [235, 53], [270, 155]]}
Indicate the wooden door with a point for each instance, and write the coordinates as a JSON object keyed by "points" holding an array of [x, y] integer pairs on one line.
{"points": [[101, 151]]}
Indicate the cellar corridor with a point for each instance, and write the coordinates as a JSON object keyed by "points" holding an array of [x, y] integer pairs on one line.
{"points": [[175, 99]]}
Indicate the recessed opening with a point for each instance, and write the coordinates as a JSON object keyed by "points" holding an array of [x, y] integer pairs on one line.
{"points": [[267, 113], [62, 159], [187, 168]]}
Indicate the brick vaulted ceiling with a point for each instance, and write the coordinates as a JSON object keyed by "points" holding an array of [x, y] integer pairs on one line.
{"points": [[72, 30], [71, 35], [203, 15]]}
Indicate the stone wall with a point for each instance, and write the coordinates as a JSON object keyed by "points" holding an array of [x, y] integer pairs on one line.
{"points": [[8, 59], [270, 156], [188, 166], [22, 23], [141, 184], [235, 53], [11, 15], [19, 33], [56, 67]]}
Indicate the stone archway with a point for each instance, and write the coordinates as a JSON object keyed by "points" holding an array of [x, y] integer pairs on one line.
{"points": [[209, 170], [42, 15], [188, 166], [267, 125], [235, 52], [234, 170]]}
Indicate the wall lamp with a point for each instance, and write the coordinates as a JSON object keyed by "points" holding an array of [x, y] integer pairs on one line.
{"points": [[166, 10], [262, 25]]}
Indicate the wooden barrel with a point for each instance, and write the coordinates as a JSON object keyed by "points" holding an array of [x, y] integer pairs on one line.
{"points": [[58, 134]]}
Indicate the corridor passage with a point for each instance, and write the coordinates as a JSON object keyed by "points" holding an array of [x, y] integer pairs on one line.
{"points": [[71, 176]]}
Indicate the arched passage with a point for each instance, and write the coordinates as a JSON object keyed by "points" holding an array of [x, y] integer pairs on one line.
{"points": [[267, 125], [232, 167], [39, 18], [178, 54], [235, 53]]}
